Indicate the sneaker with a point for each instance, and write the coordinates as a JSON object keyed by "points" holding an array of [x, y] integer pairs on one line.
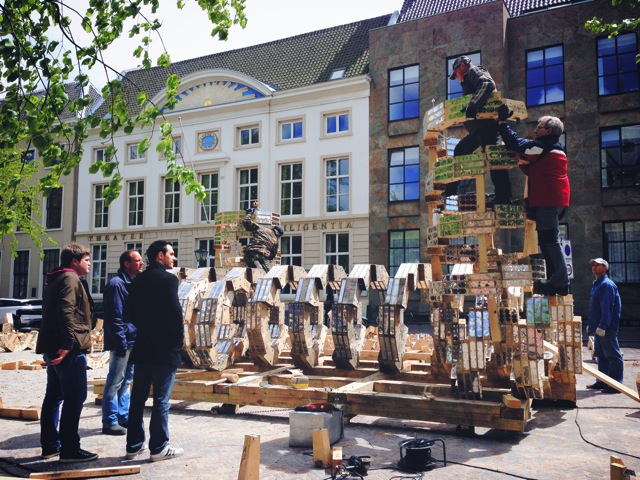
{"points": [[50, 452], [114, 430], [79, 456], [167, 453], [132, 455]]}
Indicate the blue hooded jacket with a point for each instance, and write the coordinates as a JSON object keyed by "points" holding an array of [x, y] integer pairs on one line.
{"points": [[118, 334]]}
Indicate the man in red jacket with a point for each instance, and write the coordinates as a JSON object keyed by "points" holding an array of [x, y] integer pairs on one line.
{"points": [[549, 192]]}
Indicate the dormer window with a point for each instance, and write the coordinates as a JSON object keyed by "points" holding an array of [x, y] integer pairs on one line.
{"points": [[338, 73]]}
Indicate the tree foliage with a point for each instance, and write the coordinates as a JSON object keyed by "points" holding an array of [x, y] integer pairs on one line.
{"points": [[41, 63], [598, 26]]}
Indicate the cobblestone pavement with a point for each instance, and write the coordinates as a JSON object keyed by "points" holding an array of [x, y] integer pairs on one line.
{"points": [[560, 442]]}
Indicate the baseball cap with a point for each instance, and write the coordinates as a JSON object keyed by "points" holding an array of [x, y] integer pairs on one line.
{"points": [[456, 63], [601, 261]]}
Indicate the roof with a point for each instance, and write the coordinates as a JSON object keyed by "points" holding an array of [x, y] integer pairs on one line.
{"points": [[415, 9], [284, 64]]}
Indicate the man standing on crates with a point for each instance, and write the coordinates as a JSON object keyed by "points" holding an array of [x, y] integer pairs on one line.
{"points": [[118, 339], [263, 245]]}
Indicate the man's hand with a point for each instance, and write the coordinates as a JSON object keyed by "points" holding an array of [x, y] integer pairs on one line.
{"points": [[600, 332], [121, 353], [470, 111], [504, 112], [60, 354]]}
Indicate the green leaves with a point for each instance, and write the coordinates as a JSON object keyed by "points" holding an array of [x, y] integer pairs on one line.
{"points": [[42, 111]]}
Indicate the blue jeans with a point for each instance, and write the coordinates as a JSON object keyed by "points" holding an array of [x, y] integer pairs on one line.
{"points": [[116, 395], [548, 228], [161, 377], [607, 352], [66, 386]]}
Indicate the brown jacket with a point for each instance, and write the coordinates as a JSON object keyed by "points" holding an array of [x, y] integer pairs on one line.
{"points": [[66, 314]]}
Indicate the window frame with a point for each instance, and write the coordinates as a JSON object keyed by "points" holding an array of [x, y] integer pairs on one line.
{"points": [[403, 86], [338, 254], [168, 207], [292, 199], [98, 266], [338, 193], [209, 204], [287, 254], [94, 154], [393, 268], [404, 167], [251, 129], [56, 208], [292, 122], [104, 208], [251, 186], [545, 68], [617, 74], [138, 158], [139, 201], [20, 274], [339, 132], [605, 168], [624, 251]]}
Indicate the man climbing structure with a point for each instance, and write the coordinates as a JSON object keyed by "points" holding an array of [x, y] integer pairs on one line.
{"points": [[263, 245]]}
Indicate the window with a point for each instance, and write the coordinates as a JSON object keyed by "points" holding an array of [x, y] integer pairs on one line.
{"points": [[404, 174], [617, 68], [248, 136], [622, 250], [404, 93], [207, 244], [135, 246], [290, 130], [291, 250], [338, 73], [134, 155], [53, 209], [29, 156], [135, 212], [99, 154], [101, 209], [50, 262], [404, 247], [545, 76], [336, 249], [248, 187], [21, 274], [209, 206], [171, 201], [98, 268], [176, 146], [291, 189], [620, 156], [337, 185], [336, 123], [454, 88]]}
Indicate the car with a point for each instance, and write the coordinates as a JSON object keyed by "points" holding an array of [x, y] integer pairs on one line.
{"points": [[24, 305], [27, 319]]}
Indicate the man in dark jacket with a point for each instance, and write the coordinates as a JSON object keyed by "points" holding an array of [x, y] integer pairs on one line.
{"points": [[263, 245], [477, 82], [64, 338], [118, 339], [154, 309], [546, 167]]}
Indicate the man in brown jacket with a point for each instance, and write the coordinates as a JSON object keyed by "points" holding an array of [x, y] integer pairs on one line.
{"points": [[64, 338]]}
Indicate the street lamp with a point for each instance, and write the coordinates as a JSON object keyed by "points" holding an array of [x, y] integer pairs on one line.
{"points": [[202, 256]]}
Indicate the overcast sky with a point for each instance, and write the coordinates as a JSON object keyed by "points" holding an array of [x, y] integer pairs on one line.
{"points": [[186, 33]]}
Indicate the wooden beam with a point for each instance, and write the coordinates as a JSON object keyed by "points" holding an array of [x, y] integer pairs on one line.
{"points": [[594, 372], [28, 413], [321, 448], [250, 463], [87, 472]]}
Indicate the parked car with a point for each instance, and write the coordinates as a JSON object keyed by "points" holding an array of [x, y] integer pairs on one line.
{"points": [[29, 309], [27, 319]]}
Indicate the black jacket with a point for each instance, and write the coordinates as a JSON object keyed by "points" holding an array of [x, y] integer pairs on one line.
{"points": [[154, 309]]}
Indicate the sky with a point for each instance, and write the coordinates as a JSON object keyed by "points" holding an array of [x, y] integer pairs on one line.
{"points": [[186, 32]]}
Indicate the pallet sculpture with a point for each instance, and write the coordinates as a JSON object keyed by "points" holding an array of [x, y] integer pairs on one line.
{"points": [[194, 282], [306, 328], [346, 326], [266, 330], [392, 332]]}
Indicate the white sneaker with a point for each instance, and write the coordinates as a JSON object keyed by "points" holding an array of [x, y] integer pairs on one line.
{"points": [[132, 455], [167, 453]]}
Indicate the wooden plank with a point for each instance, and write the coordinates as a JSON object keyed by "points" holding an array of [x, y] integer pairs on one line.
{"points": [[28, 413], [88, 472], [336, 459], [250, 463], [321, 448], [600, 376], [12, 365]]}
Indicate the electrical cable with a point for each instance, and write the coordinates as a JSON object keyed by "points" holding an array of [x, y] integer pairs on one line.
{"points": [[599, 446]]}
